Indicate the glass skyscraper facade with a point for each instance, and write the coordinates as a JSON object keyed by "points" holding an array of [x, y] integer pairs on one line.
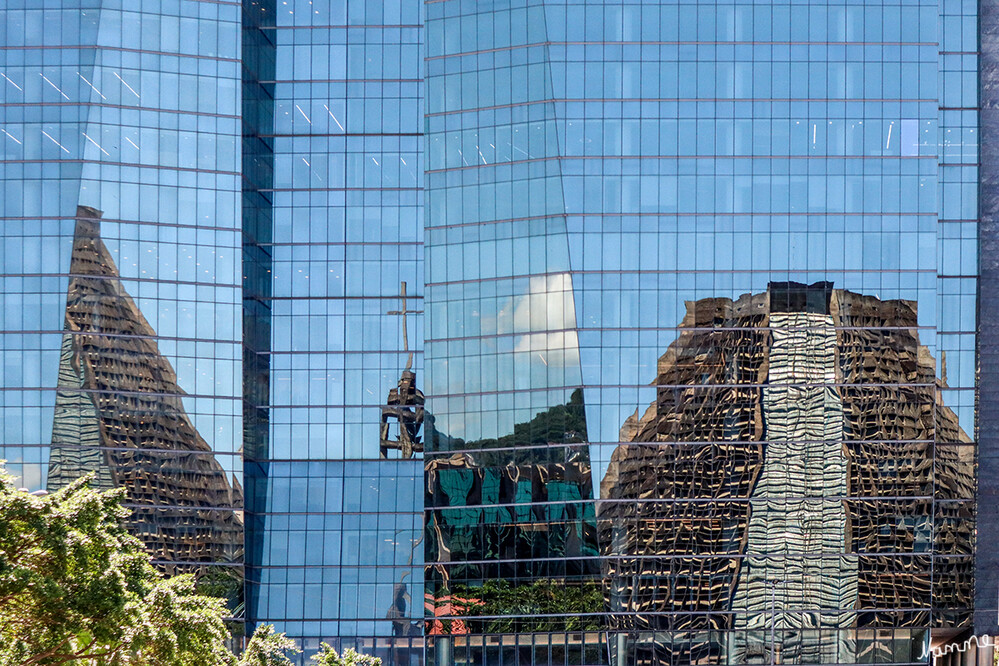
{"points": [[120, 327], [531, 331], [335, 254], [759, 219]]}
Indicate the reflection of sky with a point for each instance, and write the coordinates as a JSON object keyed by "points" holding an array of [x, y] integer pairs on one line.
{"points": [[537, 348], [129, 143], [617, 363], [625, 324], [626, 301], [685, 190], [626, 321]]}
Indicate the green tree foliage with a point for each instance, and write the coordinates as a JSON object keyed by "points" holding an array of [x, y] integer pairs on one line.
{"points": [[77, 589], [267, 648], [327, 656], [538, 606]]}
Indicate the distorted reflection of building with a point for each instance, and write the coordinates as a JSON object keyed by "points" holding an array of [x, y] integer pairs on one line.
{"points": [[404, 404], [405, 407], [797, 472], [511, 530], [797, 531], [119, 414]]}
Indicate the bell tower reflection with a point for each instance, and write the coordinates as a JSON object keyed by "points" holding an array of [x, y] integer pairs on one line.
{"points": [[405, 403]]}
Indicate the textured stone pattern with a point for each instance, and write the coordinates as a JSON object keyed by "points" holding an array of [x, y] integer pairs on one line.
{"points": [[987, 559]]}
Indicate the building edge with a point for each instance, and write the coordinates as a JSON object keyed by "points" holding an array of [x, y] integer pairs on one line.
{"points": [[987, 435]]}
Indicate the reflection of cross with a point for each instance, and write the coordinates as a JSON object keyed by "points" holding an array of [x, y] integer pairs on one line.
{"points": [[404, 403], [405, 334]]}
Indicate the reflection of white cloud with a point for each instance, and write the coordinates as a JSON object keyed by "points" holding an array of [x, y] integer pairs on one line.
{"points": [[559, 349], [547, 305], [533, 345], [542, 315]]}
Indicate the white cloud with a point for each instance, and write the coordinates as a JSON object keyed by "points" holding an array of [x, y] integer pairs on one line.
{"points": [[545, 318], [545, 352]]}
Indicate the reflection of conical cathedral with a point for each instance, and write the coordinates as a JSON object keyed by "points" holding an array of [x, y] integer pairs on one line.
{"points": [[119, 414], [795, 473]]}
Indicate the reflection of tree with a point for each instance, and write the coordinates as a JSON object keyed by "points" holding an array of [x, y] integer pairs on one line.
{"points": [[561, 424], [540, 605], [223, 582]]}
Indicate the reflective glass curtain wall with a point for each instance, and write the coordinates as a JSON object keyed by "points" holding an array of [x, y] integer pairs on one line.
{"points": [[701, 290], [701, 285], [336, 552], [120, 272]]}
